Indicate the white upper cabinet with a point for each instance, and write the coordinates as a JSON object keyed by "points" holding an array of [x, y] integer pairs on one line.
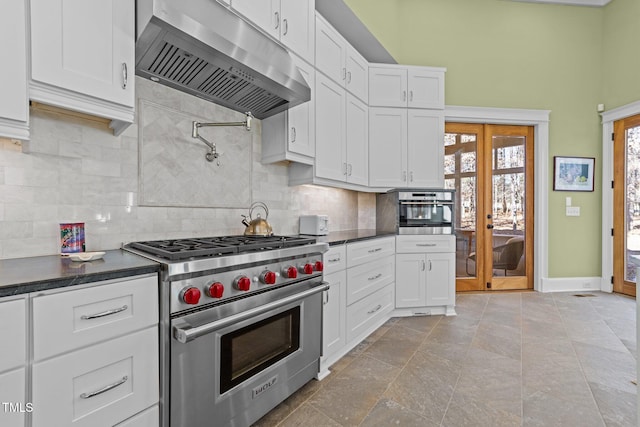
{"points": [[330, 160], [406, 86], [336, 58], [82, 56], [357, 141], [14, 107], [290, 21], [290, 135], [406, 148]]}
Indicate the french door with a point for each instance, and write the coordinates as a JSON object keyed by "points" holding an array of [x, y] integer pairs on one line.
{"points": [[626, 204], [491, 168]]}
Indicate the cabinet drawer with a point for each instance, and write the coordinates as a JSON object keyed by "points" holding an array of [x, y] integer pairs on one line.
{"points": [[366, 312], [369, 250], [99, 385], [148, 418], [68, 320], [368, 278], [12, 392], [425, 244], [335, 259], [12, 335]]}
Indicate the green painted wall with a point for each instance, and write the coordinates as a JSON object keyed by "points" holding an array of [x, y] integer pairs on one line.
{"points": [[621, 58], [518, 55]]}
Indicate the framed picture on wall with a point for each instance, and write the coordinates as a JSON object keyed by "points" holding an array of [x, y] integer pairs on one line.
{"points": [[573, 173]]}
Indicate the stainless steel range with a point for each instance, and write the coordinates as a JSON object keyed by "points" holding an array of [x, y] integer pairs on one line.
{"points": [[241, 324]]}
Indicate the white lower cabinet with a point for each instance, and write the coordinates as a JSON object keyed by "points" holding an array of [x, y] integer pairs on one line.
{"points": [[13, 403], [426, 274], [366, 315], [99, 385], [333, 324], [148, 418]]}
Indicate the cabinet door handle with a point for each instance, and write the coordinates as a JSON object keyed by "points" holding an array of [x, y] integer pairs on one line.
{"points": [[334, 259], [104, 389], [404, 95], [404, 176], [293, 134], [410, 95], [424, 266], [371, 251], [344, 169], [344, 74], [285, 27], [350, 169], [411, 176], [429, 245], [377, 276], [104, 313], [375, 309], [125, 75], [349, 77], [326, 297], [430, 266], [277, 16]]}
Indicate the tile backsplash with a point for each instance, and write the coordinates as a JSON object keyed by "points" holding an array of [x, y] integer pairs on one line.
{"points": [[76, 171]]}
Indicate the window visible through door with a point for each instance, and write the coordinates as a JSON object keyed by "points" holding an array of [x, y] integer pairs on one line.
{"points": [[491, 168]]}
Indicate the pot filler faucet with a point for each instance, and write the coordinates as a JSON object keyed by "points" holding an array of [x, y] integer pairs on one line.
{"points": [[213, 153]]}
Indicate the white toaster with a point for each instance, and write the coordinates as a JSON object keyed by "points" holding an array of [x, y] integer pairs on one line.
{"points": [[315, 225]]}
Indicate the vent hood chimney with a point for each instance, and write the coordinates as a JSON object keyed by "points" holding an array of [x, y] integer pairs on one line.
{"points": [[202, 48]]}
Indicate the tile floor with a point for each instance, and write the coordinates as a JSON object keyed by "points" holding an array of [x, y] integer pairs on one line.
{"points": [[511, 359]]}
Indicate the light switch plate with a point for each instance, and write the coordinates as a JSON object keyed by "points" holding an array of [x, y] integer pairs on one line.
{"points": [[568, 201], [573, 210]]}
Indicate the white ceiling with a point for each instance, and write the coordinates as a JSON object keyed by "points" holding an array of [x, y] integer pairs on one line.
{"points": [[594, 3]]}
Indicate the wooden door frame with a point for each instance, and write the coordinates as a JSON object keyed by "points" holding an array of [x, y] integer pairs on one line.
{"points": [[619, 197], [608, 119], [539, 119]]}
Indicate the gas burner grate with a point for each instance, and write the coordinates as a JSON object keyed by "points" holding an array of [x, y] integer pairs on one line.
{"points": [[200, 247]]}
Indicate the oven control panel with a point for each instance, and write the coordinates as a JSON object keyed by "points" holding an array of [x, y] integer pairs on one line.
{"points": [[216, 287]]}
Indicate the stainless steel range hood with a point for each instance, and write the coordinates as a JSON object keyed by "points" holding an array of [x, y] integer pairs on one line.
{"points": [[202, 48]]}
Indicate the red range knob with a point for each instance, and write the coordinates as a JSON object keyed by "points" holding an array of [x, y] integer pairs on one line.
{"points": [[268, 277], [318, 266], [215, 290], [242, 283], [290, 272], [307, 268], [190, 295]]}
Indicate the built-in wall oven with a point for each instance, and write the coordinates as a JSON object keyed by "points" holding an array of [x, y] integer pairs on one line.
{"points": [[416, 211], [242, 325]]}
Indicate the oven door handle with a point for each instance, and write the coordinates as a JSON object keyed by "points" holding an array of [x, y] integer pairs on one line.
{"points": [[429, 203], [186, 332]]}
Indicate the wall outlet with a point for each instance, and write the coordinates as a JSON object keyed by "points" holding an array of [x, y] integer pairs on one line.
{"points": [[568, 201], [573, 211]]}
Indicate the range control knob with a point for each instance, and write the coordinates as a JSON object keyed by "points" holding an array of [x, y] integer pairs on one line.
{"points": [[268, 277], [215, 290], [242, 283], [318, 266], [290, 272], [190, 295], [306, 268]]}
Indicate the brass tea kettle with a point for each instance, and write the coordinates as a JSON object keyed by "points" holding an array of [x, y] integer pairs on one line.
{"points": [[258, 226]]}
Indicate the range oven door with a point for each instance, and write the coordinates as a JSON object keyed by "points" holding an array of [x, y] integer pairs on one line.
{"points": [[231, 365]]}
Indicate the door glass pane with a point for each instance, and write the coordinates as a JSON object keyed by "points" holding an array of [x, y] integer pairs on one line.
{"points": [[632, 258], [460, 174], [508, 195]]}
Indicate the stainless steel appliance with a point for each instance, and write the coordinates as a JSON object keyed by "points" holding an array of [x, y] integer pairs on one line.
{"points": [[416, 211], [241, 324], [203, 48]]}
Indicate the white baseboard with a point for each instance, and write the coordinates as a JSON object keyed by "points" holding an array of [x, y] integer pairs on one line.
{"points": [[573, 284]]}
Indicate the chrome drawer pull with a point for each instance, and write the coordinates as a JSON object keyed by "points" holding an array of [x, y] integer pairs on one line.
{"points": [[377, 276], [371, 251], [104, 389], [125, 75], [427, 244], [375, 309], [104, 313], [334, 259]]}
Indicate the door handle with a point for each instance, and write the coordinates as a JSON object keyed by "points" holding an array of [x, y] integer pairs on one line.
{"points": [[293, 134], [125, 75], [277, 16], [490, 226], [285, 25]]}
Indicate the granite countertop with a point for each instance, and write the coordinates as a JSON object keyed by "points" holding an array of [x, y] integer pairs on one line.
{"points": [[24, 275], [350, 236]]}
